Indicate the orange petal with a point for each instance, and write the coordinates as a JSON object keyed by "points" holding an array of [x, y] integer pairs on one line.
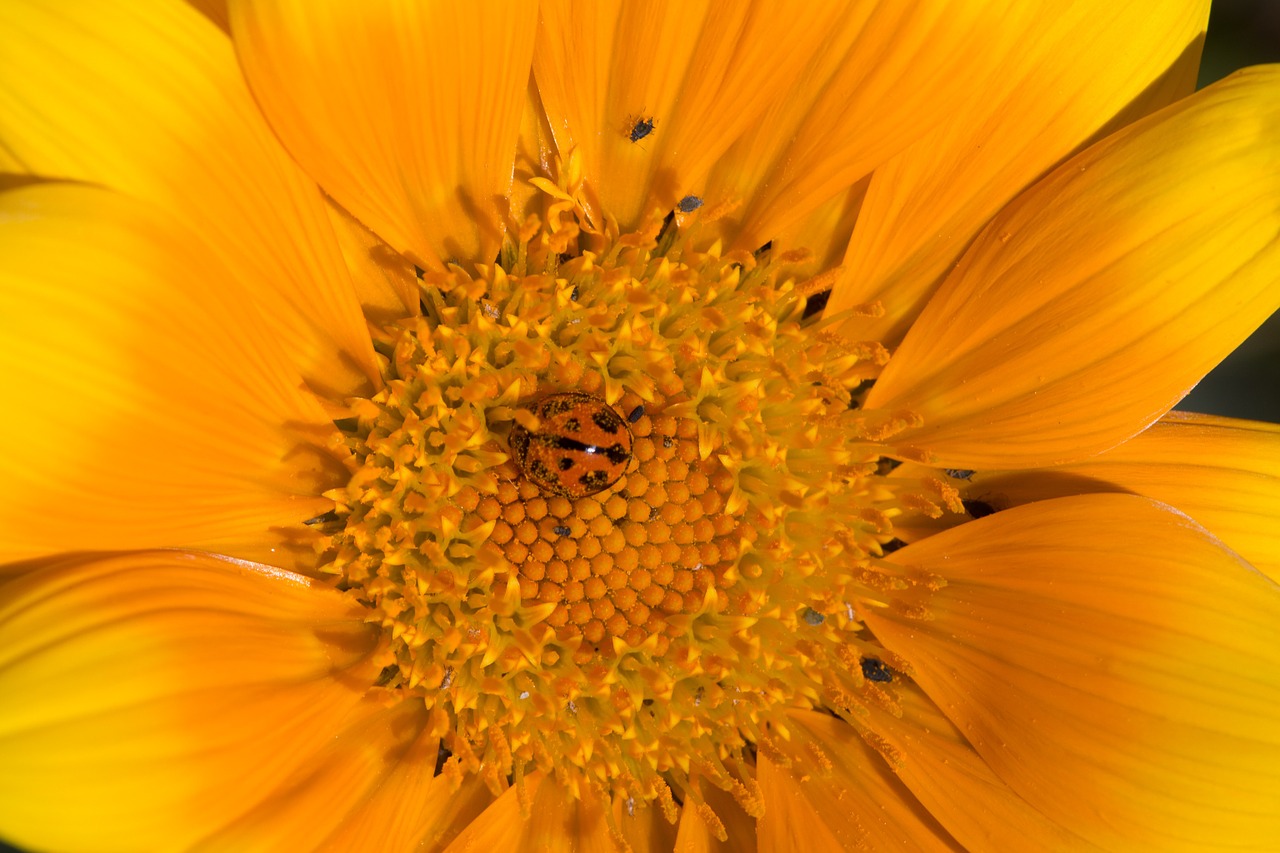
{"points": [[412, 811], [884, 78], [839, 794], [371, 787], [1223, 473], [1112, 662], [143, 414], [535, 150], [384, 279], [698, 832], [643, 828], [154, 697], [822, 234], [1094, 301], [551, 821], [407, 114], [149, 100], [927, 204], [954, 783], [215, 11], [701, 73]]}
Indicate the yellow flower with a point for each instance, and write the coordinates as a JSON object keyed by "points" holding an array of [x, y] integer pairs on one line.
{"points": [[861, 526]]}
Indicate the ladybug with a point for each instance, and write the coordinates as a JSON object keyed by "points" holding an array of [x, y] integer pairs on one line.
{"points": [[582, 446]]}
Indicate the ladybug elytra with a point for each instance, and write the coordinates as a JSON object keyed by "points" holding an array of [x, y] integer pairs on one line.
{"points": [[581, 447]]}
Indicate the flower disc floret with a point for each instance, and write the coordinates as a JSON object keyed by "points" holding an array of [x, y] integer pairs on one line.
{"points": [[653, 635]]}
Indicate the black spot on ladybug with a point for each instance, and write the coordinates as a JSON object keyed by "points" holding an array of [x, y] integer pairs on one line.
{"points": [[641, 128], [565, 463], [561, 530], [540, 471], [594, 480], [519, 442], [606, 420], [556, 405], [617, 454], [978, 509], [573, 425], [873, 669], [636, 414]]}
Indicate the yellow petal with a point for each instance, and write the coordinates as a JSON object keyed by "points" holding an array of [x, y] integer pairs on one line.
{"points": [[933, 759], [1113, 663], [215, 11], [411, 810], [886, 75], [150, 404], [384, 279], [552, 821], [407, 114], [643, 827], [370, 787], [1223, 473], [148, 699], [149, 100], [700, 72], [823, 234], [839, 794], [928, 203], [534, 149], [1094, 301], [698, 831]]}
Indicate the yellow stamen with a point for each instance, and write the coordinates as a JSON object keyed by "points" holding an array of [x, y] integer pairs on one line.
{"points": [[653, 634]]}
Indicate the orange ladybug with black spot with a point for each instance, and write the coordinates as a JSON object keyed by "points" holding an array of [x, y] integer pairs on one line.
{"points": [[582, 446]]}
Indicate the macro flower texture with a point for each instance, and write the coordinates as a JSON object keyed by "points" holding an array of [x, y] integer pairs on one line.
{"points": [[575, 426]]}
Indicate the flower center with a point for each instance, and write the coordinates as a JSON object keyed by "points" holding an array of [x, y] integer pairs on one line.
{"points": [[647, 638], [634, 562]]}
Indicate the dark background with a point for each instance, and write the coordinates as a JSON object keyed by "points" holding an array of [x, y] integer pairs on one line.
{"points": [[1247, 383]]}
